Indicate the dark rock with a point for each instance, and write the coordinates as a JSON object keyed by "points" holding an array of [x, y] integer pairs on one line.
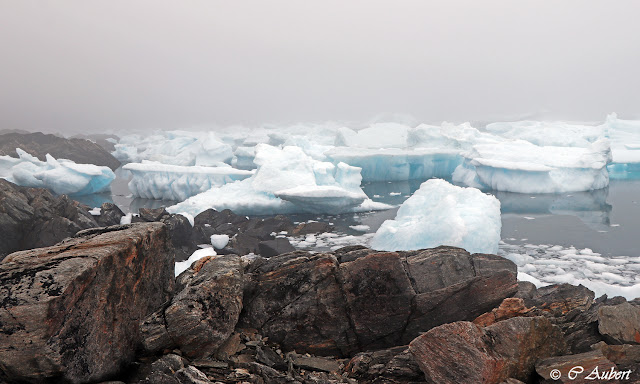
{"points": [[560, 299], [72, 310], [33, 217], [110, 215], [394, 365], [191, 375], [180, 232], [589, 361], [462, 352], [150, 214], [314, 363], [203, 313], [526, 290], [624, 356], [270, 248], [245, 244], [313, 303], [311, 228], [106, 141], [620, 323], [270, 358], [160, 371], [39, 144]]}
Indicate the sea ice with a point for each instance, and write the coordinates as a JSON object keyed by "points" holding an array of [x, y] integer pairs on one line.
{"points": [[153, 180], [520, 166], [286, 181], [60, 176], [443, 214]]}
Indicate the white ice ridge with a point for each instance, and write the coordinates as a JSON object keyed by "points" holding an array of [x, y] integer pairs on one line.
{"points": [[60, 176], [523, 167], [153, 180], [175, 147], [287, 181], [547, 264], [182, 266], [443, 214]]}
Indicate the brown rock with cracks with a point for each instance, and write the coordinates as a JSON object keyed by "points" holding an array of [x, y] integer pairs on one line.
{"points": [[72, 311], [620, 323], [510, 307], [463, 352]]}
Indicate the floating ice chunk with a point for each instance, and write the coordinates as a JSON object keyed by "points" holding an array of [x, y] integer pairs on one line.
{"points": [[60, 176], [360, 228], [286, 181], [182, 266], [153, 180], [443, 214], [519, 166], [219, 241]]}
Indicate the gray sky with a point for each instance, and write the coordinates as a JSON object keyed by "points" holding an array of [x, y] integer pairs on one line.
{"points": [[99, 65]]}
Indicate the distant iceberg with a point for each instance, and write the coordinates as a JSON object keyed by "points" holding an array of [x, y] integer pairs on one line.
{"points": [[287, 181], [153, 180], [443, 214], [60, 176]]}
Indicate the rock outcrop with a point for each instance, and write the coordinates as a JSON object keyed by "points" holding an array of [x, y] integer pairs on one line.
{"points": [[33, 217], [39, 144], [322, 305], [463, 352], [71, 312]]}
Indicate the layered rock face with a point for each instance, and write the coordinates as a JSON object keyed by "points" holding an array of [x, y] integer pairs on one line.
{"points": [[39, 144], [359, 299], [71, 312], [33, 217]]}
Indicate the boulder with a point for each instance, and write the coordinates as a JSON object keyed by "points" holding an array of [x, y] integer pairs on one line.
{"points": [[204, 311], [39, 144], [564, 367], [33, 217], [510, 307], [315, 303], [72, 311], [620, 323], [110, 215], [393, 365], [275, 247], [463, 352]]}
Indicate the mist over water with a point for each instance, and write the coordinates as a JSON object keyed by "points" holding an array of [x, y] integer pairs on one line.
{"points": [[79, 66]]}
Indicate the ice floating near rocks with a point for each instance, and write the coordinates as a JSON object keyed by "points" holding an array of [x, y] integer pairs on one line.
{"points": [[153, 180], [182, 266], [287, 181], [520, 166], [60, 176], [175, 147], [547, 264], [443, 214]]}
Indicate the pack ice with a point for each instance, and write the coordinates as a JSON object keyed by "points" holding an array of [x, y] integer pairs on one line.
{"points": [[440, 213], [60, 176], [153, 180], [286, 181]]}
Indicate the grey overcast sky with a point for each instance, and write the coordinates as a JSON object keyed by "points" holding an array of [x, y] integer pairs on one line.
{"points": [[99, 65]]}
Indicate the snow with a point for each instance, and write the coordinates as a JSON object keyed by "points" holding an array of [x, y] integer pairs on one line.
{"points": [[182, 266], [97, 211], [523, 167], [286, 181], [61, 176], [443, 214], [360, 227], [126, 219], [219, 241], [547, 264], [153, 180]]}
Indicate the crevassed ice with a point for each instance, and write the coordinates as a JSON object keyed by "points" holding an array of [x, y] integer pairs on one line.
{"points": [[555, 264], [443, 214], [59, 176], [523, 167], [153, 180], [287, 181]]}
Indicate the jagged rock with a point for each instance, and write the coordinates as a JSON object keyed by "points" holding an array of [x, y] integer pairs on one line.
{"points": [[510, 307], [39, 144], [110, 215], [564, 364], [463, 352], [191, 375], [33, 217], [203, 313], [275, 247], [526, 290], [560, 299], [71, 311], [244, 244], [620, 323], [314, 363], [316, 304], [151, 214], [393, 365], [624, 356], [180, 231]]}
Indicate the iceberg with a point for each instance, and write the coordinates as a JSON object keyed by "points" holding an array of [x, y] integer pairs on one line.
{"points": [[625, 147], [440, 213], [557, 134], [60, 176], [523, 167], [153, 180], [286, 181]]}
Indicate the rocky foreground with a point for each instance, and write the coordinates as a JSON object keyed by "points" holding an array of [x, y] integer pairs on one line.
{"points": [[104, 305]]}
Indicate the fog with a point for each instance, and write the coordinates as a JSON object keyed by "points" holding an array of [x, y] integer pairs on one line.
{"points": [[97, 66]]}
